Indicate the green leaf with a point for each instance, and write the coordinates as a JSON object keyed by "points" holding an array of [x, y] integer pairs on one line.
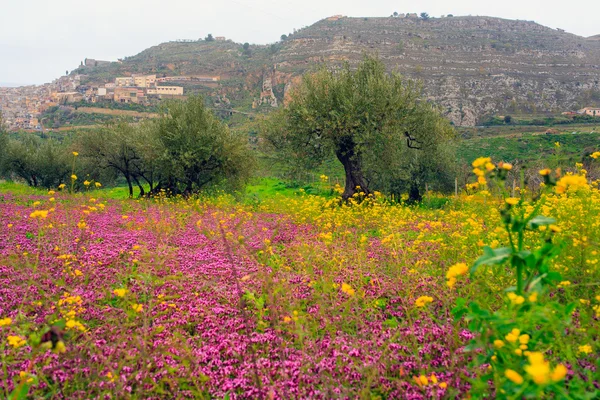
{"points": [[20, 392], [492, 257], [540, 220]]}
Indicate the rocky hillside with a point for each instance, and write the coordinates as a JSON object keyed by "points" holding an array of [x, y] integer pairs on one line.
{"points": [[472, 66]]}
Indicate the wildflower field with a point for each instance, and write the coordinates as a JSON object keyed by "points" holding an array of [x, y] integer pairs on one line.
{"points": [[303, 296]]}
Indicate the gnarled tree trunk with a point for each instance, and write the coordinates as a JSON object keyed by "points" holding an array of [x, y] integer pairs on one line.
{"points": [[355, 180]]}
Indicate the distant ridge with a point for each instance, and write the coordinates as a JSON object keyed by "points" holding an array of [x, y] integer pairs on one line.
{"points": [[471, 66]]}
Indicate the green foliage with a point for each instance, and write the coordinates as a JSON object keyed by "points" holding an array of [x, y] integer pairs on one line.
{"points": [[196, 150], [39, 162], [375, 123], [515, 339]]}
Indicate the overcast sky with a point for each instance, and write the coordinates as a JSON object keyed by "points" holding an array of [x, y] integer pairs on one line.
{"points": [[41, 39]]}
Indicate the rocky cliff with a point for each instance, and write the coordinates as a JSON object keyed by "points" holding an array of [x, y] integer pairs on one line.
{"points": [[471, 66]]}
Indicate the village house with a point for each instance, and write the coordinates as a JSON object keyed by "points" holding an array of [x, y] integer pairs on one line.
{"points": [[124, 81], [593, 111], [144, 81], [129, 95], [166, 90]]}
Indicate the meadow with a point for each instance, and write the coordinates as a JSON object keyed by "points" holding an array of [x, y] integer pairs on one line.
{"points": [[291, 293]]}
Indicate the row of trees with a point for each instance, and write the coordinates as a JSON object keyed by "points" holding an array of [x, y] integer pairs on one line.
{"points": [[375, 124], [184, 151]]}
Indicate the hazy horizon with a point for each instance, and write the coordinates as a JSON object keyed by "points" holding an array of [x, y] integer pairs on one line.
{"points": [[56, 36]]}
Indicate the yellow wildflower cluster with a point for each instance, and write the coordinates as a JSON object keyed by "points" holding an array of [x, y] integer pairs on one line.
{"points": [[41, 214], [120, 292], [515, 299], [423, 301], [137, 307], [5, 321], [424, 380], [16, 341], [70, 307], [347, 289], [454, 271], [571, 182], [540, 372]]}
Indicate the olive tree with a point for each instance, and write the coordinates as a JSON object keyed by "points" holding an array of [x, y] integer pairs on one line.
{"points": [[194, 150], [377, 125]]}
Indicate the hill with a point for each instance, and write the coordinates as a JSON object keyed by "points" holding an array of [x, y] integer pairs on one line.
{"points": [[471, 66]]}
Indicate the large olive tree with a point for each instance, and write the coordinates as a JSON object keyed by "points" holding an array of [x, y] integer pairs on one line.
{"points": [[377, 125]]}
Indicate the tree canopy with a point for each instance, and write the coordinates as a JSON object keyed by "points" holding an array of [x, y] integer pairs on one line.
{"points": [[377, 125]]}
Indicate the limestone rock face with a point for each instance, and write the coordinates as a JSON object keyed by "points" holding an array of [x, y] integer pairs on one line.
{"points": [[470, 66]]}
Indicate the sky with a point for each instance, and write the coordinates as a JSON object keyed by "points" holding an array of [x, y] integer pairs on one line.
{"points": [[41, 39]]}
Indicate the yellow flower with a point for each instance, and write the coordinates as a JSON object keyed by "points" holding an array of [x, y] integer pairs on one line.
{"points": [[347, 289], [137, 307], [62, 186], [98, 184], [498, 343], [51, 192], [513, 376], [41, 214], [545, 172], [595, 155], [120, 292], [559, 373], [506, 166], [74, 177], [564, 283], [571, 182], [513, 336], [524, 339], [423, 300], [513, 201], [533, 297], [586, 349], [16, 341], [421, 380], [454, 271], [5, 321], [443, 385], [87, 183], [538, 369], [557, 144], [481, 161], [515, 299], [75, 153]]}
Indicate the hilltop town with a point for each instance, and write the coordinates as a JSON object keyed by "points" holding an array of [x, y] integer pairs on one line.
{"points": [[22, 107]]}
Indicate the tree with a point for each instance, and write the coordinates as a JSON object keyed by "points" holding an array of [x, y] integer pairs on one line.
{"points": [[395, 13], [209, 38], [424, 16], [507, 119], [196, 150], [113, 147], [246, 48], [283, 37], [373, 122], [39, 162]]}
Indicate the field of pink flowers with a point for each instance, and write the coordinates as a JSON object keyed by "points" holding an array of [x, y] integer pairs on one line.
{"points": [[155, 299]]}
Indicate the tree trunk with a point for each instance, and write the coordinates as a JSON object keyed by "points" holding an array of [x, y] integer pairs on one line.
{"points": [[414, 195], [130, 186], [137, 182], [355, 180]]}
